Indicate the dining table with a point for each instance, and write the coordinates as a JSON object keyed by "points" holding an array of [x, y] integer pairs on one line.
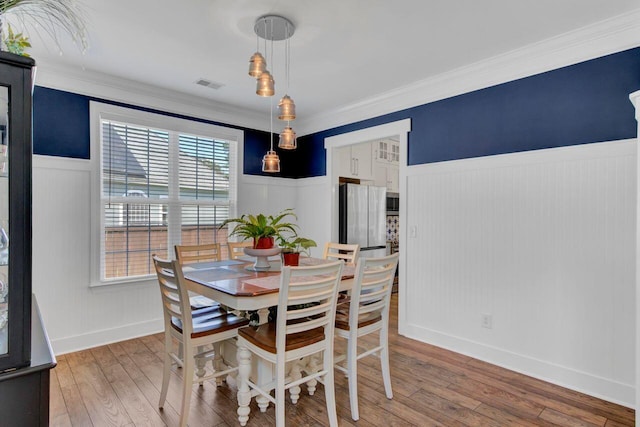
{"points": [[237, 285]]}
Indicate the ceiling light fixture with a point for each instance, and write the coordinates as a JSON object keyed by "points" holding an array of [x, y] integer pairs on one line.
{"points": [[274, 28]]}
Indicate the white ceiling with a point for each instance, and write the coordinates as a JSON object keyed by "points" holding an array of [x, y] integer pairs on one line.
{"points": [[342, 52]]}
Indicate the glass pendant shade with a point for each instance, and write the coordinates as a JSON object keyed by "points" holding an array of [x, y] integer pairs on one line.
{"points": [[288, 140], [266, 85], [271, 162], [287, 108], [257, 65]]}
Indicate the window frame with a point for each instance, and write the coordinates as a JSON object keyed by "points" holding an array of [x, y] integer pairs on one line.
{"points": [[99, 111]]}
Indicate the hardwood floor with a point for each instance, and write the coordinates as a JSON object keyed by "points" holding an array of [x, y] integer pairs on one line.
{"points": [[118, 385]]}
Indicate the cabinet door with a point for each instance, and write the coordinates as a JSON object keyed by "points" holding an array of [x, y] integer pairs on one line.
{"points": [[345, 163], [380, 174], [361, 154], [393, 178], [15, 211]]}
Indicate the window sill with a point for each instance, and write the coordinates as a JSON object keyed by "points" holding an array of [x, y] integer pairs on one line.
{"points": [[128, 282]]}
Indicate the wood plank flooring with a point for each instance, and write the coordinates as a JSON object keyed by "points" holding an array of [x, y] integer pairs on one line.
{"points": [[119, 385]]}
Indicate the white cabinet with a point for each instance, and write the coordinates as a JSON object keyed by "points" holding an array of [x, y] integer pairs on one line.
{"points": [[387, 175], [355, 161], [387, 151]]}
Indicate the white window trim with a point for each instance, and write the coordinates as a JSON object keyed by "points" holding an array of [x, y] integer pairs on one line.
{"points": [[100, 111]]}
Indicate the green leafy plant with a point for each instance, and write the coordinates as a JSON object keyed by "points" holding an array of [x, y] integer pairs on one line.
{"points": [[295, 243], [251, 226], [50, 16], [16, 42]]}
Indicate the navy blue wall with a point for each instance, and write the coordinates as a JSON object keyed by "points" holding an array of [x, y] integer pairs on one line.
{"points": [[583, 103], [61, 128]]}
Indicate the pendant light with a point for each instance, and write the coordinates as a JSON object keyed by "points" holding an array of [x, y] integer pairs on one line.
{"points": [[257, 63], [288, 140], [270, 161], [287, 109], [265, 83], [274, 28]]}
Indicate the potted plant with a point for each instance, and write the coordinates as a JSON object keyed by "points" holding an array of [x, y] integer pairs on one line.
{"points": [[261, 228], [50, 16], [292, 246]]}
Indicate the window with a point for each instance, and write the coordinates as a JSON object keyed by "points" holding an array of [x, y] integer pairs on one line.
{"points": [[162, 181]]}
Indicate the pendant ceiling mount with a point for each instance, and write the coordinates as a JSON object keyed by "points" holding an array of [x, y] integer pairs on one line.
{"points": [[274, 27]]}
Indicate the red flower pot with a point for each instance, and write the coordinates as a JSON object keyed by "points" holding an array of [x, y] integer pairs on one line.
{"points": [[263, 243], [291, 258]]}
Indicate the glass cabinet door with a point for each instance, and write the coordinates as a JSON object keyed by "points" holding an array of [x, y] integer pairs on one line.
{"points": [[4, 221], [15, 210]]}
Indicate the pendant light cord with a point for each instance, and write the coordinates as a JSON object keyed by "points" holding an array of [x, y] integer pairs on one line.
{"points": [[271, 97]]}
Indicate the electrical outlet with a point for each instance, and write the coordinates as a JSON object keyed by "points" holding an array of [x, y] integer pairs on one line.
{"points": [[413, 231], [486, 321]]}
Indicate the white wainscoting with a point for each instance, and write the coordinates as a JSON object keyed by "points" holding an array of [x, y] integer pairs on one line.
{"points": [[544, 243], [77, 316]]}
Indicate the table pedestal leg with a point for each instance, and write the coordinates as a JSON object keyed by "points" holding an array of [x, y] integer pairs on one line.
{"points": [[217, 362], [295, 374], [200, 363], [244, 393], [312, 367], [263, 316]]}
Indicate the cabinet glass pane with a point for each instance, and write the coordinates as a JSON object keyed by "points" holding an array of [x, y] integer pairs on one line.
{"points": [[4, 220]]}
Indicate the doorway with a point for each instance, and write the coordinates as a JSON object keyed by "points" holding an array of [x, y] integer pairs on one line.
{"points": [[396, 131]]}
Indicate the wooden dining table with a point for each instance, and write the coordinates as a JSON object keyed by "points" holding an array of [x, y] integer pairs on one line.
{"points": [[237, 285]]}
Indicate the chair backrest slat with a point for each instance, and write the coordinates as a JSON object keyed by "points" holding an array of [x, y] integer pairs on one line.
{"points": [[372, 287], [307, 299], [236, 249], [346, 252], [175, 298], [197, 253]]}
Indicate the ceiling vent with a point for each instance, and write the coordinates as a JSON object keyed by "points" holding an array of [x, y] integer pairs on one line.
{"points": [[209, 83]]}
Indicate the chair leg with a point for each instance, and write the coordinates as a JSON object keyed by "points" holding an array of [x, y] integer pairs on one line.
{"points": [[166, 371], [352, 368], [330, 392], [279, 393], [188, 371], [384, 362]]}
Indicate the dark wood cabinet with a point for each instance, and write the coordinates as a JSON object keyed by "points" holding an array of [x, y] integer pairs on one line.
{"points": [[25, 353]]}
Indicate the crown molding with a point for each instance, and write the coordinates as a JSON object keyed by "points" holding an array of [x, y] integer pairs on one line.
{"points": [[104, 86], [602, 38]]}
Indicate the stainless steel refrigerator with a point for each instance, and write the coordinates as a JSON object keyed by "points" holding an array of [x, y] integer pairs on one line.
{"points": [[363, 218]]}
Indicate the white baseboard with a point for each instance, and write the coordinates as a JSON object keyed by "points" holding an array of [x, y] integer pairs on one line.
{"points": [[602, 388], [106, 336]]}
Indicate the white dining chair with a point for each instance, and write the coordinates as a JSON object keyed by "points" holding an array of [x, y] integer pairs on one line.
{"points": [[303, 327], [194, 334], [198, 253], [347, 252], [367, 312], [236, 249]]}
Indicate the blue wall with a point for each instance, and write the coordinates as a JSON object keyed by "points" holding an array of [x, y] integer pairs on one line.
{"points": [[583, 103], [579, 104], [61, 128]]}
